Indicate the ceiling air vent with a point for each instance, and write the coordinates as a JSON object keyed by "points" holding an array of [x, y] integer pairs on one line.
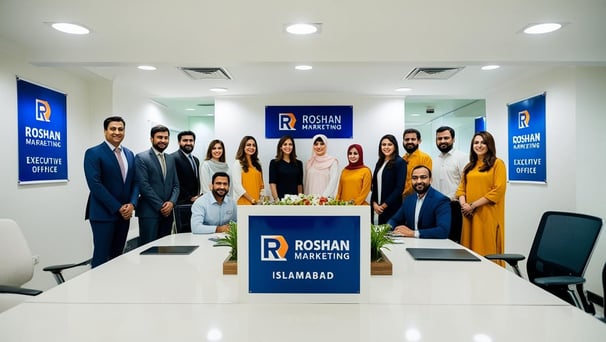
{"points": [[206, 73], [432, 73]]}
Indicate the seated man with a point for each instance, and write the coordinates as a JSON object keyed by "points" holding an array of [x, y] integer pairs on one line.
{"points": [[212, 212], [424, 215]]}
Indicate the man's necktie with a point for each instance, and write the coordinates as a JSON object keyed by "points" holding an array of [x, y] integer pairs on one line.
{"points": [[162, 164], [120, 162], [193, 164]]}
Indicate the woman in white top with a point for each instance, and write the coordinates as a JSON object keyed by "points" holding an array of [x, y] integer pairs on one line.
{"points": [[214, 162], [321, 170]]}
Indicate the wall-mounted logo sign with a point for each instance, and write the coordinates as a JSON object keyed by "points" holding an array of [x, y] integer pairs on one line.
{"points": [[307, 121]]}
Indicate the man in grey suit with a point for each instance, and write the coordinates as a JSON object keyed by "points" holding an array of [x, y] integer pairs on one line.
{"points": [[158, 187]]}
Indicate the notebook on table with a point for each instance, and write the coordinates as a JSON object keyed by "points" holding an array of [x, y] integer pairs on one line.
{"points": [[180, 250], [446, 254]]}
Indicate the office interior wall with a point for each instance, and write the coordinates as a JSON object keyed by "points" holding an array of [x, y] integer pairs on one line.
{"points": [[51, 215], [373, 117], [574, 106]]}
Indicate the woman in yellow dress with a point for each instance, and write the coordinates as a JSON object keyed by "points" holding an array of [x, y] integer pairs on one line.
{"points": [[247, 175], [481, 194], [356, 178]]}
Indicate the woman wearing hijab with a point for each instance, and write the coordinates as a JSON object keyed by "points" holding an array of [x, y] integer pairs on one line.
{"points": [[214, 162], [356, 178], [321, 170]]}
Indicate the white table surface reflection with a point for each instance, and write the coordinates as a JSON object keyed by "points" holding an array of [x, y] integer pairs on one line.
{"points": [[297, 322]]}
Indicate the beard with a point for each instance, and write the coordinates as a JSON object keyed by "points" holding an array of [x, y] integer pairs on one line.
{"points": [[219, 193], [160, 148], [421, 188], [186, 148], [445, 148], [410, 149]]}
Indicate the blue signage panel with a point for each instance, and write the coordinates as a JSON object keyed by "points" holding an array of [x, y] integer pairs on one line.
{"points": [[527, 152], [304, 254], [42, 137], [307, 121]]}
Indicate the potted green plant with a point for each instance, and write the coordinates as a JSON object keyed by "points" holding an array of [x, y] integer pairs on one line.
{"points": [[230, 265], [380, 237]]}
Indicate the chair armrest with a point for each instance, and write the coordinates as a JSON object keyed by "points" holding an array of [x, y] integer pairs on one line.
{"points": [[57, 269], [559, 280], [506, 257], [511, 259], [19, 290]]}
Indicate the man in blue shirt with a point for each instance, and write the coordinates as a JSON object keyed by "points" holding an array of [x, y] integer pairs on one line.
{"points": [[426, 215], [212, 212]]}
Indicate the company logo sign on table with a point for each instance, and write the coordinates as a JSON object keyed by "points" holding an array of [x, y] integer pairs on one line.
{"points": [[42, 137], [304, 254], [307, 121]]}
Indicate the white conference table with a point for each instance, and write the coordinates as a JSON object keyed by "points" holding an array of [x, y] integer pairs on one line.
{"points": [[186, 298], [197, 279]]}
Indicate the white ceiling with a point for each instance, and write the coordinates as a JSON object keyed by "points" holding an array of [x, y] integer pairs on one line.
{"points": [[365, 47]]}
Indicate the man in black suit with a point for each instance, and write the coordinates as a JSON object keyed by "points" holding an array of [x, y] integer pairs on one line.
{"points": [[187, 166]]}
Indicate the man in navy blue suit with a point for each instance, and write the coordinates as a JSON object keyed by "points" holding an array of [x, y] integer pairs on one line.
{"points": [[158, 187], [110, 174], [426, 215]]}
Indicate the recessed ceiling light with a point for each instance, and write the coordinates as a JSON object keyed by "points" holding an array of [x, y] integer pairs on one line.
{"points": [[542, 28], [490, 67], [415, 114], [302, 28], [218, 90], [303, 67], [70, 28], [190, 109], [147, 67], [403, 89]]}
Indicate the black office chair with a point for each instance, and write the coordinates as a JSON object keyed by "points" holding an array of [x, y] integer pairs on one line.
{"points": [[604, 293], [182, 214], [559, 255]]}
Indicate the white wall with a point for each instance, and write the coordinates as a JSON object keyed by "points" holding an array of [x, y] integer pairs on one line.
{"points": [[373, 117], [51, 216], [574, 111]]}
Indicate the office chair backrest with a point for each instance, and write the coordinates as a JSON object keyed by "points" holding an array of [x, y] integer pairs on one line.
{"points": [[16, 264], [563, 244], [183, 218]]}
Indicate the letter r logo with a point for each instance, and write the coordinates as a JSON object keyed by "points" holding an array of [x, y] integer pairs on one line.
{"points": [[523, 119], [273, 248], [43, 110], [287, 122]]}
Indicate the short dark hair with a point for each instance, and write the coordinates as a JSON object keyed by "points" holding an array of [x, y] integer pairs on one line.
{"points": [[113, 119], [446, 128], [181, 134], [421, 167], [220, 174], [159, 128], [412, 130]]}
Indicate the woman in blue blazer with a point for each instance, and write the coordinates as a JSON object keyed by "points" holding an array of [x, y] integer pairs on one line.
{"points": [[387, 181]]}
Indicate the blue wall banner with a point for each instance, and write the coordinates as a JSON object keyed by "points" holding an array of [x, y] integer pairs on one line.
{"points": [[527, 146], [304, 254], [307, 121], [42, 137]]}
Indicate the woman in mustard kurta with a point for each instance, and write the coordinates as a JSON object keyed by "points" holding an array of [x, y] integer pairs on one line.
{"points": [[247, 174], [481, 194], [356, 178]]}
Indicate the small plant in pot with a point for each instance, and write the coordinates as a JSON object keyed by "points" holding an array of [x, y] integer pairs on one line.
{"points": [[380, 237], [230, 239]]}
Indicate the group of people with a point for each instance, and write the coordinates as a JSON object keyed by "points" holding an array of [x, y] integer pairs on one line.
{"points": [[468, 190]]}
